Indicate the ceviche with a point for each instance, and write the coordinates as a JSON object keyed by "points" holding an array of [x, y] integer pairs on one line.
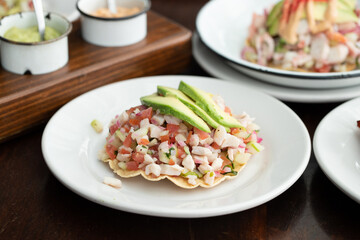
{"points": [[185, 135], [8, 7], [306, 35]]}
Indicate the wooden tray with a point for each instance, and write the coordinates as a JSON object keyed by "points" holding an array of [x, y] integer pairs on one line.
{"points": [[28, 100]]}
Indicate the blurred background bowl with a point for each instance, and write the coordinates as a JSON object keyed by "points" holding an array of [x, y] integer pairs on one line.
{"points": [[38, 57], [113, 32], [223, 27], [66, 8]]}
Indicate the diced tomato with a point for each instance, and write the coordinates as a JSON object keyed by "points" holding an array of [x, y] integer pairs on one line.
{"points": [[234, 130], [131, 110], [113, 128], [147, 113], [124, 151], [215, 145], [132, 165], [138, 157], [228, 110], [202, 135], [324, 69], [126, 127], [248, 138], [180, 152], [188, 137], [144, 141], [173, 128], [171, 162], [134, 121], [336, 36], [111, 151], [127, 141], [164, 138]]}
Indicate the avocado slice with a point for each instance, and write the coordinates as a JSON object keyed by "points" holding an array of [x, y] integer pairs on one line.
{"points": [[274, 28], [346, 16], [204, 101], [348, 4], [172, 106], [345, 11], [168, 91], [274, 14]]}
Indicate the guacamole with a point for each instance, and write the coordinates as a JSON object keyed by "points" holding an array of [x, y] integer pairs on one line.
{"points": [[30, 35]]}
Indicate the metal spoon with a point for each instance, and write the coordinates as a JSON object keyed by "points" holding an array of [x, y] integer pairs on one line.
{"points": [[39, 12], [111, 5]]}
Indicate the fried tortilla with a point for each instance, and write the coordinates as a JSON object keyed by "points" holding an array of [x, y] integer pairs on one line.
{"points": [[177, 180]]}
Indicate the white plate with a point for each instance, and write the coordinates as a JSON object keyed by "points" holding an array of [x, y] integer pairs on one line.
{"points": [[217, 67], [223, 26], [67, 8], [336, 147], [70, 147]]}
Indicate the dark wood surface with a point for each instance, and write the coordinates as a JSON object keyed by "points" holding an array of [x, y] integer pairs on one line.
{"points": [[27, 100], [35, 205]]}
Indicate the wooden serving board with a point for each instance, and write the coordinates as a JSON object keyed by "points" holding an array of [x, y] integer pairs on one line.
{"points": [[28, 100]]}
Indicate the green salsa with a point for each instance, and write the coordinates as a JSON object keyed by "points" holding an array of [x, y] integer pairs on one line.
{"points": [[30, 35]]}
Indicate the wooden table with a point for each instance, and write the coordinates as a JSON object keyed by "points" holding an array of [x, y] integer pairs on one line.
{"points": [[35, 205]]}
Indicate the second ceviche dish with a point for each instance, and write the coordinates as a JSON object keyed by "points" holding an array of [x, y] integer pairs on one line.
{"points": [[306, 35]]}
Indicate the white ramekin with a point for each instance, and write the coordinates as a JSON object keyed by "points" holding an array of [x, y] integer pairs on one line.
{"points": [[113, 32], [34, 58]]}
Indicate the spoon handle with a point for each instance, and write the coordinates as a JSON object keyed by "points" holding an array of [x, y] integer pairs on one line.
{"points": [[39, 17], [111, 5]]}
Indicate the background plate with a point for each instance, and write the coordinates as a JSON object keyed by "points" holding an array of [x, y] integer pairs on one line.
{"points": [[223, 27], [336, 147]]}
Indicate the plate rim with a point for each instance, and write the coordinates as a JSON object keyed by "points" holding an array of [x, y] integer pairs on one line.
{"points": [[335, 179], [203, 212]]}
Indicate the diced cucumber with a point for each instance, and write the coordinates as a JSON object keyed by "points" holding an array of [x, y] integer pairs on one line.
{"points": [[97, 126], [122, 165], [241, 158], [120, 135], [254, 147], [187, 150]]}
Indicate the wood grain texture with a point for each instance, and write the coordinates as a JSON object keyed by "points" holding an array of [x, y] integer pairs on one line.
{"points": [[27, 100]]}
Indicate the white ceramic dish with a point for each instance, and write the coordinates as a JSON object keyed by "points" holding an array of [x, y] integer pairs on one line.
{"points": [[113, 32], [336, 147], [217, 67], [34, 58], [66, 8], [223, 27], [70, 147]]}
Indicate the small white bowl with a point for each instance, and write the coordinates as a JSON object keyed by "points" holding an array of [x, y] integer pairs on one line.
{"points": [[113, 32], [39, 57]]}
